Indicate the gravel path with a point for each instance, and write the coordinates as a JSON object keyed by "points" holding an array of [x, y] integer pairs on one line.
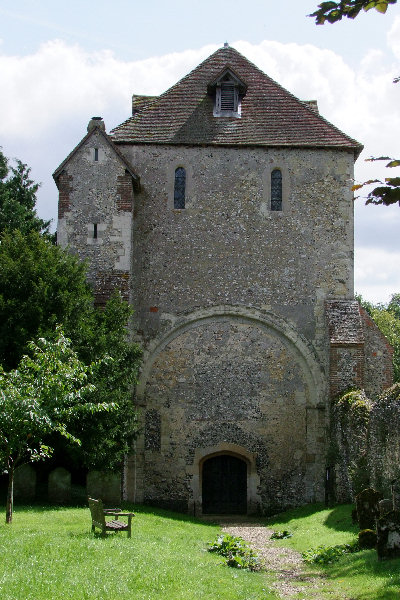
{"points": [[292, 579]]}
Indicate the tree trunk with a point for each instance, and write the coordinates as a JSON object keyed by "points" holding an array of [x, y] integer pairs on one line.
{"points": [[10, 495]]}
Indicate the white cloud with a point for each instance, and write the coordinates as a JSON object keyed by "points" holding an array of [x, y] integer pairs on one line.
{"points": [[49, 96], [393, 38], [377, 273], [61, 81]]}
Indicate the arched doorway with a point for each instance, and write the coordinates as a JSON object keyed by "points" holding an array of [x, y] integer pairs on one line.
{"points": [[224, 489]]}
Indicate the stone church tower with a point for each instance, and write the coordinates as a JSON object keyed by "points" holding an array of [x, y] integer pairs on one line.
{"points": [[222, 210]]}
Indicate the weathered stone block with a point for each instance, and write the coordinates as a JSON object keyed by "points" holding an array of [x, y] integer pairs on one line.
{"points": [[388, 531], [59, 486], [25, 482], [367, 503], [104, 485], [385, 506]]}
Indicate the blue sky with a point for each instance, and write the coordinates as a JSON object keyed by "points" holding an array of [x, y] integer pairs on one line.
{"points": [[61, 63]]}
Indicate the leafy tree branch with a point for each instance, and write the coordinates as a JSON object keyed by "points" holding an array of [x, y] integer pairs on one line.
{"points": [[335, 11], [388, 192]]}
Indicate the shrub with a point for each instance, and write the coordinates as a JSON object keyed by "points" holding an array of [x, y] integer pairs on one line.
{"points": [[281, 535], [324, 555], [236, 551]]}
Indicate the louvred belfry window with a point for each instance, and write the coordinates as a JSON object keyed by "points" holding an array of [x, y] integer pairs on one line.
{"points": [[229, 96], [228, 91]]}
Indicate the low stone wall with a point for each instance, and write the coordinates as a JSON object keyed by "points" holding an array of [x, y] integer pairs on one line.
{"points": [[59, 489], [365, 444]]}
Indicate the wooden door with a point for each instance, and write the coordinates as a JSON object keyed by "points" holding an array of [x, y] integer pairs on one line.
{"points": [[224, 490]]}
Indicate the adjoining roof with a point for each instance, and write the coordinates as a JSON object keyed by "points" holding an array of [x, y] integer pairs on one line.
{"points": [[270, 116], [99, 128], [140, 102], [344, 322]]}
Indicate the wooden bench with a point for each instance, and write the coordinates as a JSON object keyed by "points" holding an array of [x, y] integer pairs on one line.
{"points": [[99, 513]]}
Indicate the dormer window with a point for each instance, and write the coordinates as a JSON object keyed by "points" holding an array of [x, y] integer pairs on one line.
{"points": [[227, 90]]}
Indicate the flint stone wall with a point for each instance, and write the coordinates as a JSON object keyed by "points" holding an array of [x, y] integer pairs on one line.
{"points": [[228, 381], [223, 382], [228, 247], [98, 193]]}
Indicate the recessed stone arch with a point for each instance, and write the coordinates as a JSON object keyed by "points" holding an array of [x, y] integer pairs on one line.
{"points": [[228, 375]]}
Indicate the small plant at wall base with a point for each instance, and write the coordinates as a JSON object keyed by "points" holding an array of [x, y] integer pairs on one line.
{"points": [[325, 555], [236, 551], [281, 535]]}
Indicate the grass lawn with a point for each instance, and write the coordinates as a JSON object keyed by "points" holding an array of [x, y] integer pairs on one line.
{"points": [[357, 576], [50, 554]]}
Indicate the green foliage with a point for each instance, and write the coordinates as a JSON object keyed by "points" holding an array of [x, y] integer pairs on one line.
{"points": [[367, 538], [281, 535], [355, 406], [350, 420], [108, 437], [18, 199], [335, 11], [325, 555], [40, 398], [42, 285], [236, 551]]}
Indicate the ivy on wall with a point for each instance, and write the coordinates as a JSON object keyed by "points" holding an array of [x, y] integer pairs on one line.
{"points": [[365, 442]]}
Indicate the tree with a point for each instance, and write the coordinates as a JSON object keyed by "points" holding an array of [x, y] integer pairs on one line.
{"points": [[335, 11], [108, 438], [18, 199], [42, 285], [388, 192], [40, 398]]}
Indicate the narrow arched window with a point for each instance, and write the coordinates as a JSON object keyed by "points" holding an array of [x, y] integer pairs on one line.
{"points": [[179, 188], [276, 189]]}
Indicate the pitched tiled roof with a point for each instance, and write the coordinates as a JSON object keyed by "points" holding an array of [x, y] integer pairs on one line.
{"points": [[98, 129], [271, 116], [344, 322]]}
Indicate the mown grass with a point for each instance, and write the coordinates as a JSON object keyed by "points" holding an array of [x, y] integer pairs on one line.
{"points": [[50, 554], [357, 576]]}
